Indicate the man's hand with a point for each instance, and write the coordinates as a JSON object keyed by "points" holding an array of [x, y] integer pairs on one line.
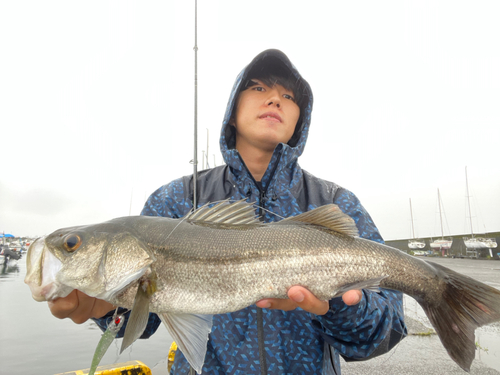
{"points": [[303, 298], [79, 307]]}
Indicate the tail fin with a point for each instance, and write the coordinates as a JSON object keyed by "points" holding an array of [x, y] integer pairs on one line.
{"points": [[466, 304]]}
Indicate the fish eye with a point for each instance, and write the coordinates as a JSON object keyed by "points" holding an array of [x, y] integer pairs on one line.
{"points": [[72, 242]]}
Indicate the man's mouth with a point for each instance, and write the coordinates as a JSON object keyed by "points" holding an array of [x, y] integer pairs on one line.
{"points": [[271, 116]]}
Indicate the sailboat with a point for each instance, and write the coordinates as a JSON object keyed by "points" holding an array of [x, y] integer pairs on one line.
{"points": [[414, 243], [474, 243], [490, 243], [443, 244]]}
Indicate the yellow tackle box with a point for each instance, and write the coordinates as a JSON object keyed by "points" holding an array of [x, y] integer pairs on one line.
{"points": [[125, 368]]}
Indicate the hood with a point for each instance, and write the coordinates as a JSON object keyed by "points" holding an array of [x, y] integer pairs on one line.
{"points": [[295, 146]]}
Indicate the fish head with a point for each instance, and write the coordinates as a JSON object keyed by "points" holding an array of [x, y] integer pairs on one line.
{"points": [[99, 260]]}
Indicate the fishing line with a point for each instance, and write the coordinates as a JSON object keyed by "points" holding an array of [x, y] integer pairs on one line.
{"points": [[395, 348], [393, 351], [272, 213], [179, 223]]}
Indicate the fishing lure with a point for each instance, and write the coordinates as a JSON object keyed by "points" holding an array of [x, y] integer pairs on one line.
{"points": [[106, 340]]}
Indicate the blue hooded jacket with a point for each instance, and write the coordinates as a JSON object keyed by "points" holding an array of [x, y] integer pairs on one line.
{"points": [[284, 342]]}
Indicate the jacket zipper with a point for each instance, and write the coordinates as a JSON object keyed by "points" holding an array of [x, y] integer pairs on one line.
{"points": [[260, 313]]}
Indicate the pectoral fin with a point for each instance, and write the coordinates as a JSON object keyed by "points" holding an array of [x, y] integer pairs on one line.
{"points": [[138, 318], [372, 284], [190, 332]]}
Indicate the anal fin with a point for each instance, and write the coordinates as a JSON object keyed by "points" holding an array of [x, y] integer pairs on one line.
{"points": [[371, 284], [190, 332]]}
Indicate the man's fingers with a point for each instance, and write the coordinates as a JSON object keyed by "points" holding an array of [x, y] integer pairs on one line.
{"points": [[276, 303], [101, 308], [79, 307], [352, 297], [84, 310], [62, 307], [301, 297], [307, 301]]}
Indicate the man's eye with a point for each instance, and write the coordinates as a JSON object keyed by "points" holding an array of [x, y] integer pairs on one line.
{"points": [[258, 88], [286, 96]]}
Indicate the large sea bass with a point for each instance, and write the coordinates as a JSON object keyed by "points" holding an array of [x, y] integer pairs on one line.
{"points": [[221, 259]]}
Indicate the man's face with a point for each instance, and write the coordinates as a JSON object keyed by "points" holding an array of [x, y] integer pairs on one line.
{"points": [[265, 116]]}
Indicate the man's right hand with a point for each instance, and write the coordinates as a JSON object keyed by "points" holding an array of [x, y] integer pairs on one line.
{"points": [[79, 307]]}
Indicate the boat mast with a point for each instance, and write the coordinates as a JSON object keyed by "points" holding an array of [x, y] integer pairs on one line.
{"points": [[468, 200], [208, 166], [440, 215], [412, 226]]}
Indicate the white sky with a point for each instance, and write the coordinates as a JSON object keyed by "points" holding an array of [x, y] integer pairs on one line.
{"points": [[97, 98]]}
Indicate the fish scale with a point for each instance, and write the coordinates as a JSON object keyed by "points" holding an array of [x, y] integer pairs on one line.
{"points": [[222, 275]]}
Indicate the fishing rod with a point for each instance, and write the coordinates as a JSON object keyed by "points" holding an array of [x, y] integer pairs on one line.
{"points": [[195, 158]]}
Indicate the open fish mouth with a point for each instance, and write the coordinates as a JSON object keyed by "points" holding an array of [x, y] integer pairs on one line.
{"points": [[42, 268]]}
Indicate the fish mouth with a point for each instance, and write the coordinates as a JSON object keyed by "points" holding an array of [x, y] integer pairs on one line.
{"points": [[34, 261], [273, 116], [42, 268]]}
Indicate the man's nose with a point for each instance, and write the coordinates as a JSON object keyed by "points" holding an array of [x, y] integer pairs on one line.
{"points": [[274, 98]]}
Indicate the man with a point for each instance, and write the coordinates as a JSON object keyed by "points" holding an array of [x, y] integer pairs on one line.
{"points": [[264, 132]]}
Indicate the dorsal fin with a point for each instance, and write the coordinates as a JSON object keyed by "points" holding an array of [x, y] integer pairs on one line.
{"points": [[329, 216], [225, 212]]}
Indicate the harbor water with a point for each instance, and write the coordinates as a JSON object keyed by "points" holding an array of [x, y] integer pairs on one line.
{"points": [[32, 341]]}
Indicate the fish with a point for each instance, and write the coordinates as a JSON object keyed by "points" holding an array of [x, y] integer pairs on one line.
{"points": [[221, 258]]}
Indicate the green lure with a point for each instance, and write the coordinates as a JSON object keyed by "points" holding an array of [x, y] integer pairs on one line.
{"points": [[106, 340]]}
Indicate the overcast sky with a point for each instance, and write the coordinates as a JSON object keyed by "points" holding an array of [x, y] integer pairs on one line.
{"points": [[97, 98]]}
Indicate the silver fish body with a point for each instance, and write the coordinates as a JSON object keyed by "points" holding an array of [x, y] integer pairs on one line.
{"points": [[205, 264], [210, 270]]}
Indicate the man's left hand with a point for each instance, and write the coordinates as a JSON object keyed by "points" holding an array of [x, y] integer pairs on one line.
{"points": [[303, 298]]}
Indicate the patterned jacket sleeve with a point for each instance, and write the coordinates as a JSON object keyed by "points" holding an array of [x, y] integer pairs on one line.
{"points": [[376, 324], [166, 201]]}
